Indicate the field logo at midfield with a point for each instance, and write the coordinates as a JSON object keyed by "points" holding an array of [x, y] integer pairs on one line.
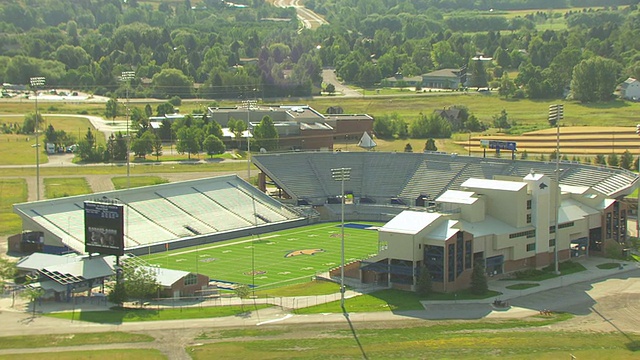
{"points": [[303, 252]]}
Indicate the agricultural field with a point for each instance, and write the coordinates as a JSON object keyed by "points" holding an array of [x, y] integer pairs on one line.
{"points": [[275, 259]]}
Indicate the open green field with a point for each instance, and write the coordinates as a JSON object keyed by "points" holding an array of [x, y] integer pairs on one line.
{"points": [[120, 182], [150, 314], [21, 147], [63, 187], [510, 339], [54, 340], [12, 191], [277, 259], [111, 354]]}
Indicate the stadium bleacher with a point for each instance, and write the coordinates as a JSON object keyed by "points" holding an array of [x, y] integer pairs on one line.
{"points": [[164, 213], [403, 177]]}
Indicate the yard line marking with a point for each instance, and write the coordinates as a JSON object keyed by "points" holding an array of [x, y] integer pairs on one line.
{"points": [[219, 246], [249, 240]]}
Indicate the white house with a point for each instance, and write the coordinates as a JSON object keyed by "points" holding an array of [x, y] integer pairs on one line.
{"points": [[630, 89]]}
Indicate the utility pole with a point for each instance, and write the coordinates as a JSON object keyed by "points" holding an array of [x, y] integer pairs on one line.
{"points": [[556, 113], [36, 82]]}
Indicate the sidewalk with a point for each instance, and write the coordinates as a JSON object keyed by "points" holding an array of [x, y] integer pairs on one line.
{"points": [[592, 273]]}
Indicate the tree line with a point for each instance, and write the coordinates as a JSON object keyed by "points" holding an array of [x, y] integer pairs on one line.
{"points": [[211, 50]]}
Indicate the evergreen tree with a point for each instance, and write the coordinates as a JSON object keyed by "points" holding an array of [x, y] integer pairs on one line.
{"points": [[479, 285], [613, 159], [430, 145], [627, 160]]}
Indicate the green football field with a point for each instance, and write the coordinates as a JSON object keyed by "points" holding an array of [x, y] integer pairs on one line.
{"points": [[277, 259]]}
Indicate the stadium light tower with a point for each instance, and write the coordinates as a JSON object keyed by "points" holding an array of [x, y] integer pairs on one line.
{"points": [[342, 175], [249, 104], [127, 76], [556, 113], [638, 205], [36, 82]]}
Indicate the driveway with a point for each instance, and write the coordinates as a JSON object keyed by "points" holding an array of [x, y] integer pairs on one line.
{"points": [[329, 77]]}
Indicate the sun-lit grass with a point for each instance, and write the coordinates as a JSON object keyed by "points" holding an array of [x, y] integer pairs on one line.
{"points": [[12, 191], [157, 314], [63, 187], [316, 287], [120, 182], [273, 260], [428, 340], [389, 300], [110, 354], [20, 150], [136, 169], [54, 340]]}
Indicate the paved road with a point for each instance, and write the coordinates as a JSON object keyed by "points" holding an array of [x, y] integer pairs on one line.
{"points": [[329, 77], [309, 19]]}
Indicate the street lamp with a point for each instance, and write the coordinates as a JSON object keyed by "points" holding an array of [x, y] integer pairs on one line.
{"points": [[35, 82], [249, 104], [342, 175], [556, 113], [127, 76]]}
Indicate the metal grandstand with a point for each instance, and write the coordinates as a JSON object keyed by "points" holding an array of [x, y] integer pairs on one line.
{"points": [[400, 178], [177, 214]]}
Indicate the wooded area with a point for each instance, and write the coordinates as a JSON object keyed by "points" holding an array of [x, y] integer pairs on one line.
{"points": [[215, 49]]}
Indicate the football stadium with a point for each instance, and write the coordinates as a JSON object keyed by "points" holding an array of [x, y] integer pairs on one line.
{"points": [[403, 211]]}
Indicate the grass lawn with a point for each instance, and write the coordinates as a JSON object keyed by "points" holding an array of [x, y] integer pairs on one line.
{"points": [[63, 187], [118, 354], [149, 314], [451, 340], [566, 268], [136, 169], [21, 146], [280, 258], [522, 286], [22, 150], [33, 341], [316, 287], [606, 266], [120, 182], [388, 300], [12, 191]]}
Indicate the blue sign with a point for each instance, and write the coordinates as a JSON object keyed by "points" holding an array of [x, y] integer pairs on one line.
{"points": [[502, 145]]}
